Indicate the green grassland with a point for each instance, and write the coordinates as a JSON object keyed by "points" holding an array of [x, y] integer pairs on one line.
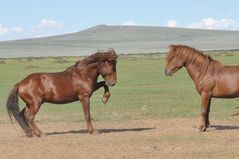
{"points": [[142, 91]]}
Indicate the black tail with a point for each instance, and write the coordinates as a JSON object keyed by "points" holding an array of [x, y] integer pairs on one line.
{"points": [[13, 108], [237, 113]]}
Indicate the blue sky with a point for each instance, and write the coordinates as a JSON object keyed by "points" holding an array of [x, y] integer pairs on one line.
{"points": [[38, 18]]}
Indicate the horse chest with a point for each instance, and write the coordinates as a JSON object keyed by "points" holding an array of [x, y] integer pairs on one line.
{"points": [[84, 88], [206, 84]]}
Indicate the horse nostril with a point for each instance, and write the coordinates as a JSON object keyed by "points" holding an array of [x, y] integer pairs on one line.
{"points": [[168, 72], [110, 83]]}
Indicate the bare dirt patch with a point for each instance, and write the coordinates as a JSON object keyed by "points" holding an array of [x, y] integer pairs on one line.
{"points": [[141, 139]]}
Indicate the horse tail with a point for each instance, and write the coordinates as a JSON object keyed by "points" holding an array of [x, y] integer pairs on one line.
{"points": [[236, 113], [13, 108]]}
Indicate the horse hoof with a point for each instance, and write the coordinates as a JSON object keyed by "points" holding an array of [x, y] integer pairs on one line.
{"points": [[106, 97], [201, 129], [42, 135], [95, 132], [105, 100], [29, 135]]}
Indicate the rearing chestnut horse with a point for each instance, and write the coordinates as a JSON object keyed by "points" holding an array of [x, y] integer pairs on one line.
{"points": [[77, 82], [211, 78]]}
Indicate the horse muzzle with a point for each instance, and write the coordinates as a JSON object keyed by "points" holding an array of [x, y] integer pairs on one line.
{"points": [[168, 72], [110, 83]]}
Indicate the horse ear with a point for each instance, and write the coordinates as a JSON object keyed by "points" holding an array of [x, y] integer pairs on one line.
{"points": [[111, 55], [111, 50], [172, 48]]}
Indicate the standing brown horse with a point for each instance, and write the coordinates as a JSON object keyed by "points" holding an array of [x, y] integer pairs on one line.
{"points": [[77, 82], [211, 78]]}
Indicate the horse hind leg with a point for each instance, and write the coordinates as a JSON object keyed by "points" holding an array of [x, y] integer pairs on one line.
{"points": [[28, 130], [30, 116]]}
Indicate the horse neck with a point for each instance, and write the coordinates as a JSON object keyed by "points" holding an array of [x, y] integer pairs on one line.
{"points": [[196, 69], [90, 71]]}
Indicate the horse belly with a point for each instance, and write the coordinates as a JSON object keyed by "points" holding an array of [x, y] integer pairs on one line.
{"points": [[58, 90], [60, 95], [228, 88]]}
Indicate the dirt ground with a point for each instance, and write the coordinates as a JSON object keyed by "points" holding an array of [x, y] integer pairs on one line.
{"points": [[139, 139]]}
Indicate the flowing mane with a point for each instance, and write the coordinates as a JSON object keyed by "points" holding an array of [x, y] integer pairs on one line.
{"points": [[194, 56], [108, 55]]}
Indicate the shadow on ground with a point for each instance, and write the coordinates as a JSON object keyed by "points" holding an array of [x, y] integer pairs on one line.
{"points": [[225, 127], [101, 131]]}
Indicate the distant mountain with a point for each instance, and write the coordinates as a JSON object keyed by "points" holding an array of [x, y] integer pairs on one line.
{"points": [[124, 39]]}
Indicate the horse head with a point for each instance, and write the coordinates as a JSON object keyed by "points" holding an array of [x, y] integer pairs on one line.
{"points": [[174, 61], [108, 68]]}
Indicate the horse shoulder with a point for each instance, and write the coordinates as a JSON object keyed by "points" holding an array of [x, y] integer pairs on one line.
{"points": [[205, 84], [83, 87]]}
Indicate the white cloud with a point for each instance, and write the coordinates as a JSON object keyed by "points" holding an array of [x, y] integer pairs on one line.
{"points": [[50, 23], [46, 27], [172, 23], [129, 23], [218, 24], [9, 30]]}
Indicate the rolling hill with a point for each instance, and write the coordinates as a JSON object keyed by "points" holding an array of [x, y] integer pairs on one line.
{"points": [[124, 39]]}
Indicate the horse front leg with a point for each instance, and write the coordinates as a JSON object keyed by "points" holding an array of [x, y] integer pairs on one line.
{"points": [[207, 115], [205, 108], [107, 94], [86, 108]]}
